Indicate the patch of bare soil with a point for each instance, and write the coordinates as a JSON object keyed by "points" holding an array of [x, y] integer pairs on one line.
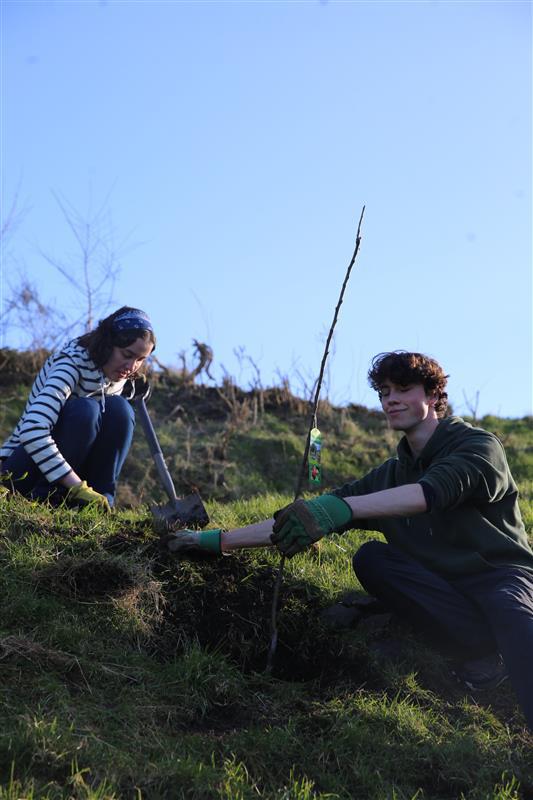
{"points": [[226, 605], [85, 578]]}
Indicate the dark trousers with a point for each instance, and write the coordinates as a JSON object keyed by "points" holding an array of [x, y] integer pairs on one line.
{"points": [[93, 441], [473, 615]]}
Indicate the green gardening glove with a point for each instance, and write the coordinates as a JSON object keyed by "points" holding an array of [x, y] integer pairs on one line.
{"points": [[83, 495], [306, 521], [200, 542]]}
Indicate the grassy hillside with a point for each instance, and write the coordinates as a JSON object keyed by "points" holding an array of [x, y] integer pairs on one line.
{"points": [[231, 443], [127, 673]]}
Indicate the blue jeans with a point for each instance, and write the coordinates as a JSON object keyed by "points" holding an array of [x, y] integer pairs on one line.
{"points": [[471, 615], [94, 442]]}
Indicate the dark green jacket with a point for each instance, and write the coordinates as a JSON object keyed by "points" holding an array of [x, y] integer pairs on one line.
{"points": [[474, 522]]}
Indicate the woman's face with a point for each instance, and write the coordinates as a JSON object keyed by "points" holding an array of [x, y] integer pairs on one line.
{"points": [[125, 361]]}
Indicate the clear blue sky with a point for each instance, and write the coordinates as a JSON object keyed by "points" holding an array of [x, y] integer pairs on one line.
{"points": [[238, 142]]}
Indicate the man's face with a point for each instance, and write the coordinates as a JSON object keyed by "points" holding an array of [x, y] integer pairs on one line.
{"points": [[406, 407], [125, 361]]}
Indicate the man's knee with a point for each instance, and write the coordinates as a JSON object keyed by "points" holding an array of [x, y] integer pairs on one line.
{"points": [[515, 599], [368, 561]]}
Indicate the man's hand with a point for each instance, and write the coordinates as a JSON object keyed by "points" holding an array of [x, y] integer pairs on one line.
{"points": [[82, 495], [201, 542], [134, 388], [306, 521]]}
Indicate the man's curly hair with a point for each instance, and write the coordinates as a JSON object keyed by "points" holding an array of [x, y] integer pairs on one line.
{"points": [[403, 368]]}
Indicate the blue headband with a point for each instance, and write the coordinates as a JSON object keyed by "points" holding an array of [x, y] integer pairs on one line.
{"points": [[135, 320]]}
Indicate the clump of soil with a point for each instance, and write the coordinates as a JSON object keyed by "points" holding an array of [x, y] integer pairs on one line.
{"points": [[85, 578], [226, 605]]}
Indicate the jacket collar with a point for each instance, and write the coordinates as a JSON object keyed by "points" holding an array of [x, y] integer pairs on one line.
{"points": [[440, 436]]}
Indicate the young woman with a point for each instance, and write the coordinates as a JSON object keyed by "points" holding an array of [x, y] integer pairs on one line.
{"points": [[75, 432]]}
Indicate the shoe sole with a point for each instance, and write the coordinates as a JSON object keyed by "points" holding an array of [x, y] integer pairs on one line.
{"points": [[492, 684]]}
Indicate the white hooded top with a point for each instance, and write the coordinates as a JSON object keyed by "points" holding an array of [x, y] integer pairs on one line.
{"points": [[68, 373]]}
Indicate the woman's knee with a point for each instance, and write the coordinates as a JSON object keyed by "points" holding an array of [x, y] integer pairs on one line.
{"points": [[80, 411], [119, 412]]}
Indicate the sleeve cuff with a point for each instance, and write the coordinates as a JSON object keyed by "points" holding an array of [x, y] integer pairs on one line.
{"points": [[429, 494]]}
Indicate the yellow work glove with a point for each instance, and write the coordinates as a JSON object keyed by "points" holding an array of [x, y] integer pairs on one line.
{"points": [[83, 495]]}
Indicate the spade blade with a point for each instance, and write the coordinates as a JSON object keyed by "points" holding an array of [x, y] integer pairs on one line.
{"points": [[183, 512]]}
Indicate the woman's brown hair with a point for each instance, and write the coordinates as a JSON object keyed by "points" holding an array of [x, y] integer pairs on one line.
{"points": [[100, 342]]}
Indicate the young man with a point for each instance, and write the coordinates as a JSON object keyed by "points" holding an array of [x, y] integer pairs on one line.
{"points": [[456, 561]]}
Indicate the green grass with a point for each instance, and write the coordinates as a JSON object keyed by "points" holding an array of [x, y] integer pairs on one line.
{"points": [[129, 674]]}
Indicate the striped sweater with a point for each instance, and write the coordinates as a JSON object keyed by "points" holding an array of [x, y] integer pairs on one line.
{"points": [[68, 373]]}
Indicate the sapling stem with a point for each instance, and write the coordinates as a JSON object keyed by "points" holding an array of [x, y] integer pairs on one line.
{"points": [[312, 423]]}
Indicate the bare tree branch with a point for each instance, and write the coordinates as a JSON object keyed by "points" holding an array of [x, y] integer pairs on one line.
{"points": [[90, 272], [95, 267]]}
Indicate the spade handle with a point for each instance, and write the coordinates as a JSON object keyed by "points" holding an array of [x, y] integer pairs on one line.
{"points": [[155, 448]]}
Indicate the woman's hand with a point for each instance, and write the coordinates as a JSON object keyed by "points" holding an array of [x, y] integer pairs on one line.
{"points": [[82, 495]]}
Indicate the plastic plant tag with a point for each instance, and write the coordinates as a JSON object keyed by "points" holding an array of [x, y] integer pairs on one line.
{"points": [[315, 449]]}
